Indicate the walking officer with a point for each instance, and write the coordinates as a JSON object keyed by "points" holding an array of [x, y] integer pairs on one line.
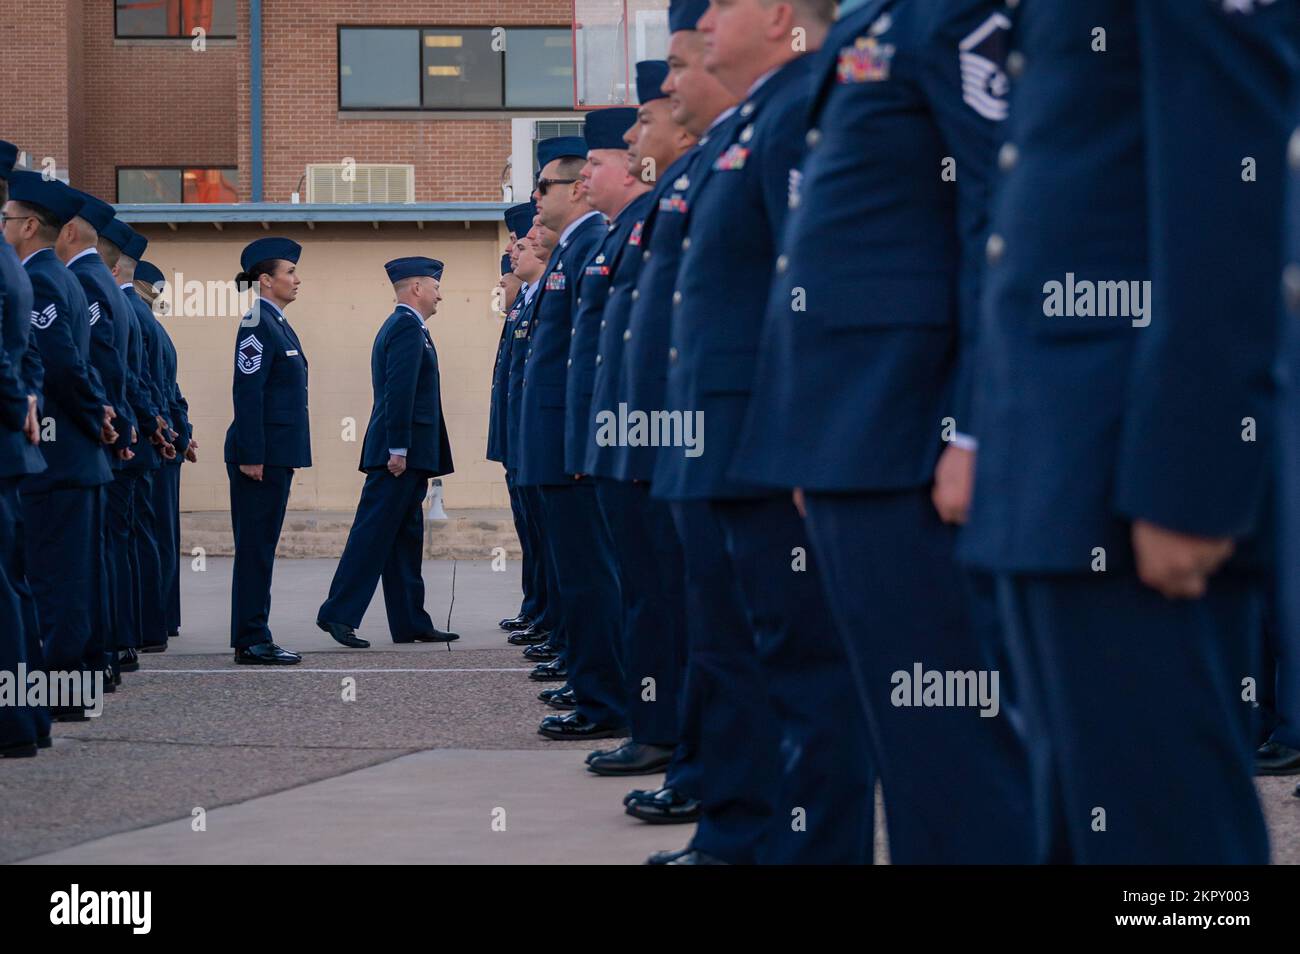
{"points": [[405, 445], [269, 438]]}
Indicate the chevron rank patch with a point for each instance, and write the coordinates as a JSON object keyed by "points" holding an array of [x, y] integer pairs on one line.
{"points": [[250, 355], [45, 317], [983, 55], [95, 314]]}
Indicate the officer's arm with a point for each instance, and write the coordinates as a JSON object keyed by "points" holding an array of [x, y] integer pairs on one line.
{"points": [[1198, 395], [13, 391], [34, 373], [252, 369], [108, 362], [139, 392], [402, 356], [68, 378], [972, 130], [155, 370]]}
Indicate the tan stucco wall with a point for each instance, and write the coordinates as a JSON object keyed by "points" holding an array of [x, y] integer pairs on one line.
{"points": [[344, 298]]}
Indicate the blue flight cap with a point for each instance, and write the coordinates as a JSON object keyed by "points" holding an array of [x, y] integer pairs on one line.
{"points": [[650, 76], [414, 267], [684, 14], [149, 273], [131, 242], [558, 147], [93, 210], [265, 249], [505, 265], [605, 127], [8, 158], [519, 218], [50, 194]]}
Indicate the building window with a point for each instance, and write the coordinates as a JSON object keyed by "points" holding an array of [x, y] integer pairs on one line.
{"points": [[171, 19], [175, 185], [454, 68]]}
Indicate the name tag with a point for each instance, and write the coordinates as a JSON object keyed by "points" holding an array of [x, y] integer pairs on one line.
{"points": [[291, 354]]}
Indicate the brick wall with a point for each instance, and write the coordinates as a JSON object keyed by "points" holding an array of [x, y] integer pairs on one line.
{"points": [[34, 109]]}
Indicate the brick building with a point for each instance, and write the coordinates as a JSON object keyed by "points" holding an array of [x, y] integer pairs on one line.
{"points": [[363, 129]]}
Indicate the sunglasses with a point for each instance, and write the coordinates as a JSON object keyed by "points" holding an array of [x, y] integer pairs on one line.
{"points": [[543, 184]]}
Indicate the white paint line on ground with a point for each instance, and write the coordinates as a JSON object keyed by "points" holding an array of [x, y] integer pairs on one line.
{"points": [[292, 669]]}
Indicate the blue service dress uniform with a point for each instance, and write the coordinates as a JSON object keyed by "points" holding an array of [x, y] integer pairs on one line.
{"points": [[530, 498], [167, 484], [532, 574], [387, 536], [63, 560], [271, 428], [573, 528], [645, 540], [862, 359], [1128, 166], [817, 745], [21, 374], [110, 332]]}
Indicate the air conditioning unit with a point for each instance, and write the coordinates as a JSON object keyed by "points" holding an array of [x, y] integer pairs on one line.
{"points": [[360, 183]]}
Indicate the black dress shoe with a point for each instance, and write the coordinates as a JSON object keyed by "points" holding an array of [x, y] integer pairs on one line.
{"points": [[517, 622], [528, 637], [435, 636], [1274, 758], [574, 726], [111, 681], [541, 653], [344, 634], [550, 672], [20, 750], [564, 699], [667, 807], [68, 714], [632, 758], [154, 648], [545, 694], [266, 654], [128, 660]]}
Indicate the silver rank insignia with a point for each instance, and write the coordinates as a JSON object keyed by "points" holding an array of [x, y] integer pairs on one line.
{"points": [[95, 313], [682, 184], [44, 318]]}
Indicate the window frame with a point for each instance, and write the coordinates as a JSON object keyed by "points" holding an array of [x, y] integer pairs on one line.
{"points": [[185, 37], [117, 180], [420, 28]]}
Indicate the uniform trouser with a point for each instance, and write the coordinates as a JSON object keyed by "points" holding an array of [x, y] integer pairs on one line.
{"points": [[123, 494], [730, 746], [1279, 676], [532, 573], [824, 806], [167, 518], [904, 610], [18, 723], [64, 563], [16, 572], [552, 618], [151, 619], [256, 516], [386, 542], [1142, 745], [587, 585], [650, 572]]}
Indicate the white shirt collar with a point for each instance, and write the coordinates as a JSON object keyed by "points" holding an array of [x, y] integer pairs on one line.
{"points": [[564, 236], [47, 248], [125, 285], [530, 290], [82, 254]]}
